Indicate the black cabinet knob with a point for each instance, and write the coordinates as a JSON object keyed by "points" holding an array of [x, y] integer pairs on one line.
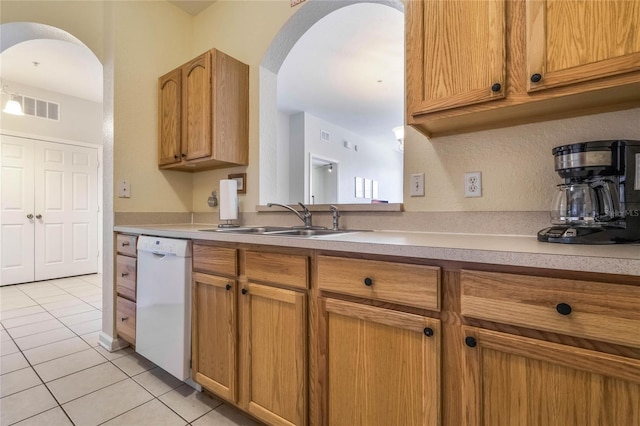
{"points": [[428, 331], [175, 157], [470, 341], [368, 282], [535, 78], [245, 291], [563, 308], [228, 287], [496, 87], [184, 155]]}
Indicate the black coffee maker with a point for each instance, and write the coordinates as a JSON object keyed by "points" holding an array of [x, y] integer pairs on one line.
{"points": [[599, 201]]}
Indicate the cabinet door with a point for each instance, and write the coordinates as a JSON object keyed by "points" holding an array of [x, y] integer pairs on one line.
{"points": [[383, 366], [511, 380], [274, 354], [169, 117], [196, 98], [214, 334], [570, 41], [455, 53]]}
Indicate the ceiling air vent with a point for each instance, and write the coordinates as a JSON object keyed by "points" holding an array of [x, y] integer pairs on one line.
{"points": [[41, 108], [325, 136]]}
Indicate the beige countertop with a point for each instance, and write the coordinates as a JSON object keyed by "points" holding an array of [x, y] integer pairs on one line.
{"points": [[517, 250]]}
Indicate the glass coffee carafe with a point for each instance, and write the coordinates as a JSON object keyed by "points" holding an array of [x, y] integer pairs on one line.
{"points": [[585, 203]]}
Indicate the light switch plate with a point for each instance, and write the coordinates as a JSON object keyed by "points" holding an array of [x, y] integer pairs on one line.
{"points": [[124, 189], [416, 185]]}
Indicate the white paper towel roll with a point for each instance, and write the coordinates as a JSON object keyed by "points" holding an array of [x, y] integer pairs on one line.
{"points": [[228, 199]]}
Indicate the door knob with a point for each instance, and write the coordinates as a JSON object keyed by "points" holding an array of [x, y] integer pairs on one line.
{"points": [[29, 216], [38, 216]]}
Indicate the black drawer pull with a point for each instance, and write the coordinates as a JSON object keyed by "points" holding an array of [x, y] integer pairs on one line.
{"points": [[228, 287], [470, 341], [124, 274], [563, 308], [245, 291], [125, 243], [428, 331], [496, 87], [535, 78], [368, 282], [123, 319]]}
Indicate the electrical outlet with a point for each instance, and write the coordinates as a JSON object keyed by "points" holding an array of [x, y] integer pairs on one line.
{"points": [[416, 185], [473, 184]]}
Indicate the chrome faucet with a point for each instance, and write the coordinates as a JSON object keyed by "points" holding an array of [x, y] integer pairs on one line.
{"points": [[336, 217], [304, 216]]}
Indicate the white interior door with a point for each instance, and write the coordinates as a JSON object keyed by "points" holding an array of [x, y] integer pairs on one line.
{"points": [[49, 223], [66, 210], [17, 211]]}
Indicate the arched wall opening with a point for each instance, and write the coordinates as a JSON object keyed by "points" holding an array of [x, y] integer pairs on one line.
{"points": [[310, 13]]}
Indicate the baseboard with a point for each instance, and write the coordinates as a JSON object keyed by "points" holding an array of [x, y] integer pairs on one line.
{"points": [[111, 344]]}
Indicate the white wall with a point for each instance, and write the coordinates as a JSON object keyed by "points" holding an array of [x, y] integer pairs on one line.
{"points": [[372, 160], [80, 120], [282, 157]]}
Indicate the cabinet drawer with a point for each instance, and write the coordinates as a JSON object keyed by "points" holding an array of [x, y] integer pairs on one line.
{"points": [[278, 268], [215, 260], [592, 310], [126, 276], [126, 244], [405, 284], [126, 319]]}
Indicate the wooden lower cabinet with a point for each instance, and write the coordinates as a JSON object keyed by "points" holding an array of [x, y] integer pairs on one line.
{"points": [[274, 364], [250, 348], [382, 366], [214, 334], [511, 380]]}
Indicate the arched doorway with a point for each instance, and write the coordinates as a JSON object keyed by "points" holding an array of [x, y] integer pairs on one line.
{"points": [[274, 175], [77, 130]]}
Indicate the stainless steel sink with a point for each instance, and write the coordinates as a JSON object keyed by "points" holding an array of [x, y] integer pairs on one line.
{"points": [[248, 230], [280, 231]]}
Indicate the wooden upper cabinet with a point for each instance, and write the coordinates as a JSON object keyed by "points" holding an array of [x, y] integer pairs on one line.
{"points": [[203, 117], [169, 117], [455, 54], [570, 41], [196, 83], [585, 54]]}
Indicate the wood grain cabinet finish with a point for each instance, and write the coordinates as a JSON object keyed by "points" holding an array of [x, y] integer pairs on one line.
{"points": [[512, 380], [289, 270], [126, 270], [170, 117], [215, 260], [249, 339], [457, 51], [126, 319], [214, 334], [274, 361], [203, 117], [382, 366], [402, 283], [475, 65], [592, 310], [579, 40], [126, 287], [126, 244]]}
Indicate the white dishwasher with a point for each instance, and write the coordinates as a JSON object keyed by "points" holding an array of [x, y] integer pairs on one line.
{"points": [[163, 303]]}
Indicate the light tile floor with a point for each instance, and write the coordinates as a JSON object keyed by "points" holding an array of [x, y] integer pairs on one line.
{"points": [[53, 372]]}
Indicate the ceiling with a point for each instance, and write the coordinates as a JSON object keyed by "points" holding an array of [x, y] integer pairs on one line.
{"points": [[347, 69], [192, 7]]}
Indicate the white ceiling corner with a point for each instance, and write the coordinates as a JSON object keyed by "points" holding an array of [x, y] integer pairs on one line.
{"points": [[192, 7]]}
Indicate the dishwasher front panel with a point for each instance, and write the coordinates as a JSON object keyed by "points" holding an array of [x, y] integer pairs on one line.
{"points": [[163, 320]]}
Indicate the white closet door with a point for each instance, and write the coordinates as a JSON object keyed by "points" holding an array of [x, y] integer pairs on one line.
{"points": [[66, 209], [17, 229]]}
